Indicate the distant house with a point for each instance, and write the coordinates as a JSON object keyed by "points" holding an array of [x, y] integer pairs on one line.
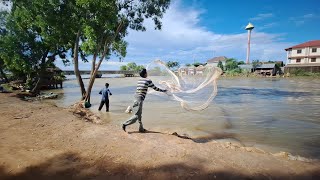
{"points": [[199, 70], [246, 67], [266, 69], [52, 78], [304, 56], [187, 70], [191, 70], [262, 69], [214, 61]]}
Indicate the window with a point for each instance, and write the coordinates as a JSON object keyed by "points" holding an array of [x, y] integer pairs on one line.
{"points": [[298, 60], [314, 50], [299, 51], [313, 59]]}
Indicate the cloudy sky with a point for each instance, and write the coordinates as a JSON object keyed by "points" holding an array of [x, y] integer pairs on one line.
{"points": [[200, 30], [197, 30]]}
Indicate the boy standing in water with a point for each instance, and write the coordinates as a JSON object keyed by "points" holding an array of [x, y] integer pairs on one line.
{"points": [[141, 92], [105, 98]]}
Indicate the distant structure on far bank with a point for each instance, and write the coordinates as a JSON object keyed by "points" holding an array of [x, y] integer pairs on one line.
{"points": [[214, 61], [305, 56]]}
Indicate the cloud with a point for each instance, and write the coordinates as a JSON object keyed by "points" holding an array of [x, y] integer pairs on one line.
{"points": [[267, 26], [300, 20], [308, 16], [183, 39], [261, 17]]}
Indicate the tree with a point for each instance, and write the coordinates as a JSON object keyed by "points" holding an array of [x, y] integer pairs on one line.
{"points": [[2, 33], [196, 64], [41, 29], [123, 68], [241, 62], [131, 67], [32, 38], [231, 64], [173, 64], [188, 64], [220, 65], [103, 26], [139, 68], [2, 71]]}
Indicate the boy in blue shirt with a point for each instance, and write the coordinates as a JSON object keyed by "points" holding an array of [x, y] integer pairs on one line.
{"points": [[105, 98]]}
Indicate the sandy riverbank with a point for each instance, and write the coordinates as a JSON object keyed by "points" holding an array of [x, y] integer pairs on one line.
{"points": [[42, 141]]}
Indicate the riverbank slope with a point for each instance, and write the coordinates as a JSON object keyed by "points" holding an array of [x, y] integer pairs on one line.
{"points": [[42, 141]]}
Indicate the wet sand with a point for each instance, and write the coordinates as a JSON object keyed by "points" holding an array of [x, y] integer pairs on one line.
{"points": [[42, 141]]}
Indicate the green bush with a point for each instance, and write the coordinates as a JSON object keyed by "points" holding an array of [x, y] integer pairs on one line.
{"points": [[300, 72]]}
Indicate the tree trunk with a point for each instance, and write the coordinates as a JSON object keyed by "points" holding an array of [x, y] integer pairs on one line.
{"points": [[92, 79], [95, 68], [3, 75], [38, 85], [76, 66]]}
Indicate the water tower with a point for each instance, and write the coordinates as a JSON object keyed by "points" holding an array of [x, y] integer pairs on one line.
{"points": [[249, 28]]}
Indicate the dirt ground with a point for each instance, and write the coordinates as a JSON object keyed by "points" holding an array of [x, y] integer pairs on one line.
{"points": [[42, 141]]}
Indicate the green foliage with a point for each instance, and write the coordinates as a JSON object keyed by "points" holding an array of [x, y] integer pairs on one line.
{"points": [[231, 64], [123, 68], [241, 62], [7, 87], [196, 64], [188, 64], [301, 72], [132, 66], [59, 76], [31, 38], [173, 64], [34, 32], [104, 24], [220, 65], [234, 72]]}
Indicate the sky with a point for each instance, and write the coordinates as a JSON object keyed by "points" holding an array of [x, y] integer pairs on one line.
{"points": [[197, 30]]}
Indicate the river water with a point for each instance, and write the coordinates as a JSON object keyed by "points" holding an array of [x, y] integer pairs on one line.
{"points": [[271, 114]]}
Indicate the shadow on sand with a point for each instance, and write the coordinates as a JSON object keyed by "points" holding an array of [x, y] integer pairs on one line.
{"points": [[72, 166], [201, 139]]}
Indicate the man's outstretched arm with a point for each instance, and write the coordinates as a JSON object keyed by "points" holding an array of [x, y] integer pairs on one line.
{"points": [[151, 85]]}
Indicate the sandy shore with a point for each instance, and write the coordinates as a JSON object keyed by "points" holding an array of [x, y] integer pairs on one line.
{"points": [[42, 141]]}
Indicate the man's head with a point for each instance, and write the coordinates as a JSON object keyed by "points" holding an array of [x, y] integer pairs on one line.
{"points": [[107, 84], [143, 73]]}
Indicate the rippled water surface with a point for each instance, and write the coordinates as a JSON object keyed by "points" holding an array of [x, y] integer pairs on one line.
{"points": [[273, 114]]}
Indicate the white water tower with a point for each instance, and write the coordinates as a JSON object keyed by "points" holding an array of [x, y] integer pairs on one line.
{"points": [[249, 28]]}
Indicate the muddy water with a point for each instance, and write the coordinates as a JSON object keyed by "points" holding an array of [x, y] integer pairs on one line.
{"points": [[272, 114]]}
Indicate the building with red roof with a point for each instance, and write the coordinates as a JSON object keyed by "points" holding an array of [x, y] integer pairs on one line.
{"points": [[304, 56]]}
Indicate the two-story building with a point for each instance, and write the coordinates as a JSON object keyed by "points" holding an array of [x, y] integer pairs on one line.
{"points": [[305, 56]]}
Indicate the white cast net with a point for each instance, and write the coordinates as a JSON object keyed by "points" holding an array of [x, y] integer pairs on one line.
{"points": [[193, 87]]}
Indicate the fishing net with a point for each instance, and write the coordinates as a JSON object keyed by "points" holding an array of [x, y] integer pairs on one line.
{"points": [[193, 87]]}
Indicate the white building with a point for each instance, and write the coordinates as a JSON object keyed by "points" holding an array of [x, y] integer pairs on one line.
{"points": [[303, 54], [191, 70], [214, 61]]}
